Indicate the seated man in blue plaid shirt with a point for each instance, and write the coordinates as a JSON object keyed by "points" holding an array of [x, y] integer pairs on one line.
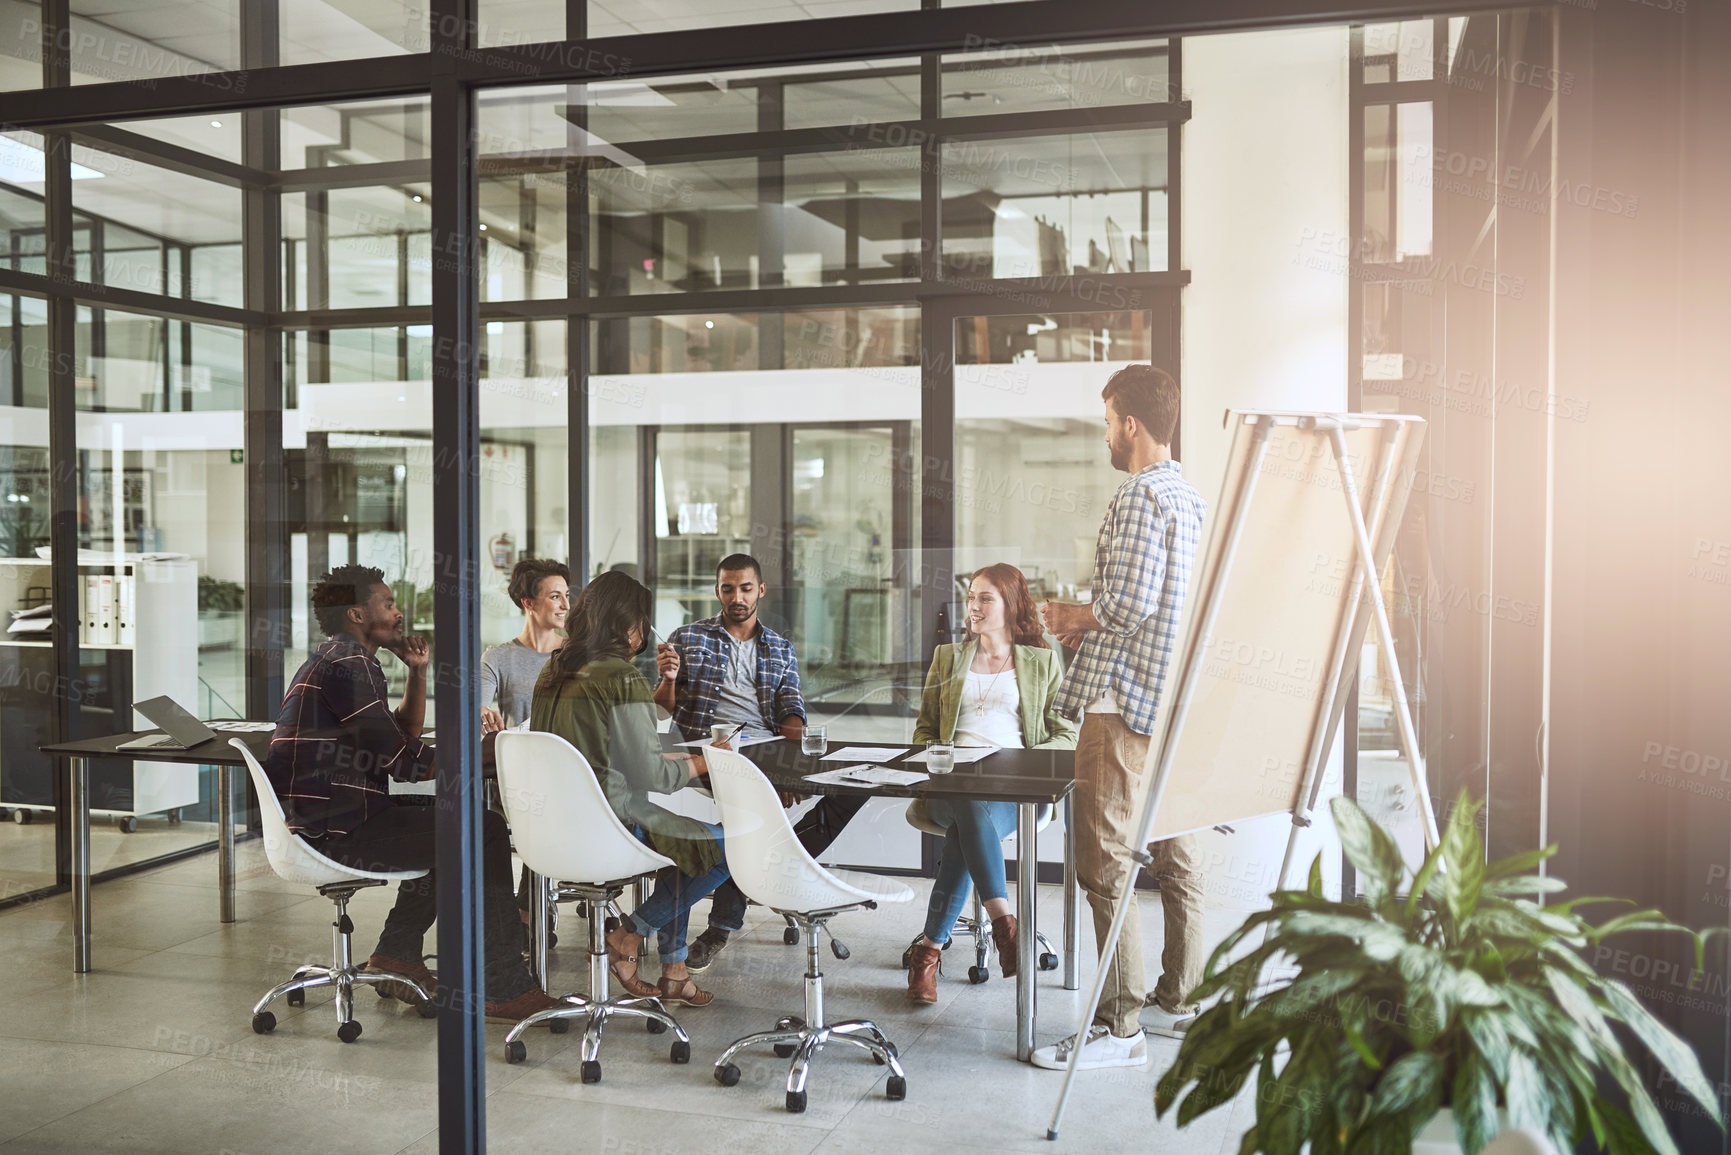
{"points": [[732, 668]]}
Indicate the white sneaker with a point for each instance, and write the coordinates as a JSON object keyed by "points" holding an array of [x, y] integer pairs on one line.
{"points": [[1159, 1021], [1101, 1049]]}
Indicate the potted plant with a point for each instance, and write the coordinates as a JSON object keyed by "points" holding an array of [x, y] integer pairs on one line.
{"points": [[1464, 993]]}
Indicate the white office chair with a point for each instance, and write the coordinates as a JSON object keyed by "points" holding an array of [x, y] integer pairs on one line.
{"points": [[294, 860], [564, 829], [774, 870], [974, 924]]}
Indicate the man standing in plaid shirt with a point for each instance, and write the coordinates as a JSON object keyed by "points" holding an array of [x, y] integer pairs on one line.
{"points": [[732, 668], [1126, 637]]}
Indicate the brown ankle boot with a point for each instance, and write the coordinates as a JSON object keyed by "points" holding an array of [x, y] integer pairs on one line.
{"points": [[1004, 941], [923, 966]]}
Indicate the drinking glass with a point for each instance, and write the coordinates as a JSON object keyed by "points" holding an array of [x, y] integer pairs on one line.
{"points": [[814, 743], [721, 731], [940, 758]]}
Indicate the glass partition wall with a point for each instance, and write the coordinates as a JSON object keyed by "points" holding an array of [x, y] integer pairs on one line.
{"points": [[477, 297]]}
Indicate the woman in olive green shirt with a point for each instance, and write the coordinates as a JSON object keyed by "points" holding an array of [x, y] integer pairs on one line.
{"points": [[592, 696], [996, 688]]}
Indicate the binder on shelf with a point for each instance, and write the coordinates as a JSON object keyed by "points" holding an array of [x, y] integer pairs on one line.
{"points": [[126, 619], [89, 611], [105, 632]]}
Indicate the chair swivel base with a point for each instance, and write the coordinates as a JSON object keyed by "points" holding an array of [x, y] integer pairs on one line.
{"points": [[800, 1039], [342, 974], [596, 1007]]}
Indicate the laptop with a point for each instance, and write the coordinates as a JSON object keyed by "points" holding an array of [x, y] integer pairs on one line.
{"points": [[183, 730]]}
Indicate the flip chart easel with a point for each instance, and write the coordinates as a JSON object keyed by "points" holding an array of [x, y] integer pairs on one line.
{"points": [[1287, 587]]}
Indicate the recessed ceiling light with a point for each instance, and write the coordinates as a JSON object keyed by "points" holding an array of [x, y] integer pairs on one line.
{"points": [[483, 228], [417, 198], [709, 324], [216, 124]]}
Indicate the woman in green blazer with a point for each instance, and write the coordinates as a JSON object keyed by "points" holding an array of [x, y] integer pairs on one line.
{"points": [[994, 689], [591, 695]]}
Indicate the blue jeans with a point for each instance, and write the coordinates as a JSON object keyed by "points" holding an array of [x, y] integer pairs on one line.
{"points": [[973, 848], [666, 913]]}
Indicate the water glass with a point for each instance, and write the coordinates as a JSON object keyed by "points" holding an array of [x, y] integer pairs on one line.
{"points": [[721, 731], [940, 758], [814, 743]]}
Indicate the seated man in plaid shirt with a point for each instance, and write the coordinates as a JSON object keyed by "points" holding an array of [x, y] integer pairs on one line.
{"points": [[336, 748], [733, 668]]}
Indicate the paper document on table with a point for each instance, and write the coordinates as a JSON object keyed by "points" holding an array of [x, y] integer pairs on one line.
{"points": [[236, 727], [864, 775], [963, 754], [868, 754], [737, 743]]}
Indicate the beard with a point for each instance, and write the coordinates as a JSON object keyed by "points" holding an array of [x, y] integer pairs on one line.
{"points": [[740, 613], [1120, 455]]}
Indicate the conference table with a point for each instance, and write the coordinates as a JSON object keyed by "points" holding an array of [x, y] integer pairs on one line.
{"points": [[1029, 778]]}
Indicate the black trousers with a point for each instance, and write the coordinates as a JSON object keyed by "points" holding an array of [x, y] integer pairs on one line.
{"points": [[401, 838], [821, 826]]}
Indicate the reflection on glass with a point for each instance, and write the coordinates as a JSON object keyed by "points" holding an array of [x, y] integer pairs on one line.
{"points": [[357, 248], [21, 46], [1055, 205], [621, 20], [1039, 78], [152, 39], [701, 513], [364, 132], [315, 30]]}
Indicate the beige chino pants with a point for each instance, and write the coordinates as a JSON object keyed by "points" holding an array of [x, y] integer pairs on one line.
{"points": [[1109, 761]]}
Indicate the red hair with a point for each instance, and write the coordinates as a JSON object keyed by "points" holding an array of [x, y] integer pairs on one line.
{"points": [[1019, 613]]}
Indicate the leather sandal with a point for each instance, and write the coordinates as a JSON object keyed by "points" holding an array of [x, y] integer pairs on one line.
{"points": [[618, 959], [682, 993], [1004, 942]]}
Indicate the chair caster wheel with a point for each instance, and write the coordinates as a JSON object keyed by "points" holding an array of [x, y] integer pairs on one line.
{"points": [[785, 1050], [796, 1102], [611, 925], [515, 1051], [297, 998], [128, 825], [350, 1031], [1048, 961], [427, 1009], [727, 1076], [263, 1023], [558, 1026], [896, 1088], [592, 1071], [655, 1026], [680, 1052], [790, 936], [978, 975], [552, 939]]}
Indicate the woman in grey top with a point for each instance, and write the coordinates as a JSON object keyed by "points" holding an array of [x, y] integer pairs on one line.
{"points": [[541, 588]]}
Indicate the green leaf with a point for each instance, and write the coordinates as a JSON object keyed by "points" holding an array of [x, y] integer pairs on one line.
{"points": [[1673, 1052], [1463, 859], [1475, 1103], [1304, 995], [1647, 1116], [1423, 881], [1579, 1006], [1491, 1038], [1519, 863], [1358, 1044], [1623, 1134], [1528, 1097], [1414, 1081], [1523, 885], [1369, 848]]}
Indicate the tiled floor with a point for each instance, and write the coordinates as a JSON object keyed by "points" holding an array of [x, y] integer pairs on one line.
{"points": [[153, 1050]]}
